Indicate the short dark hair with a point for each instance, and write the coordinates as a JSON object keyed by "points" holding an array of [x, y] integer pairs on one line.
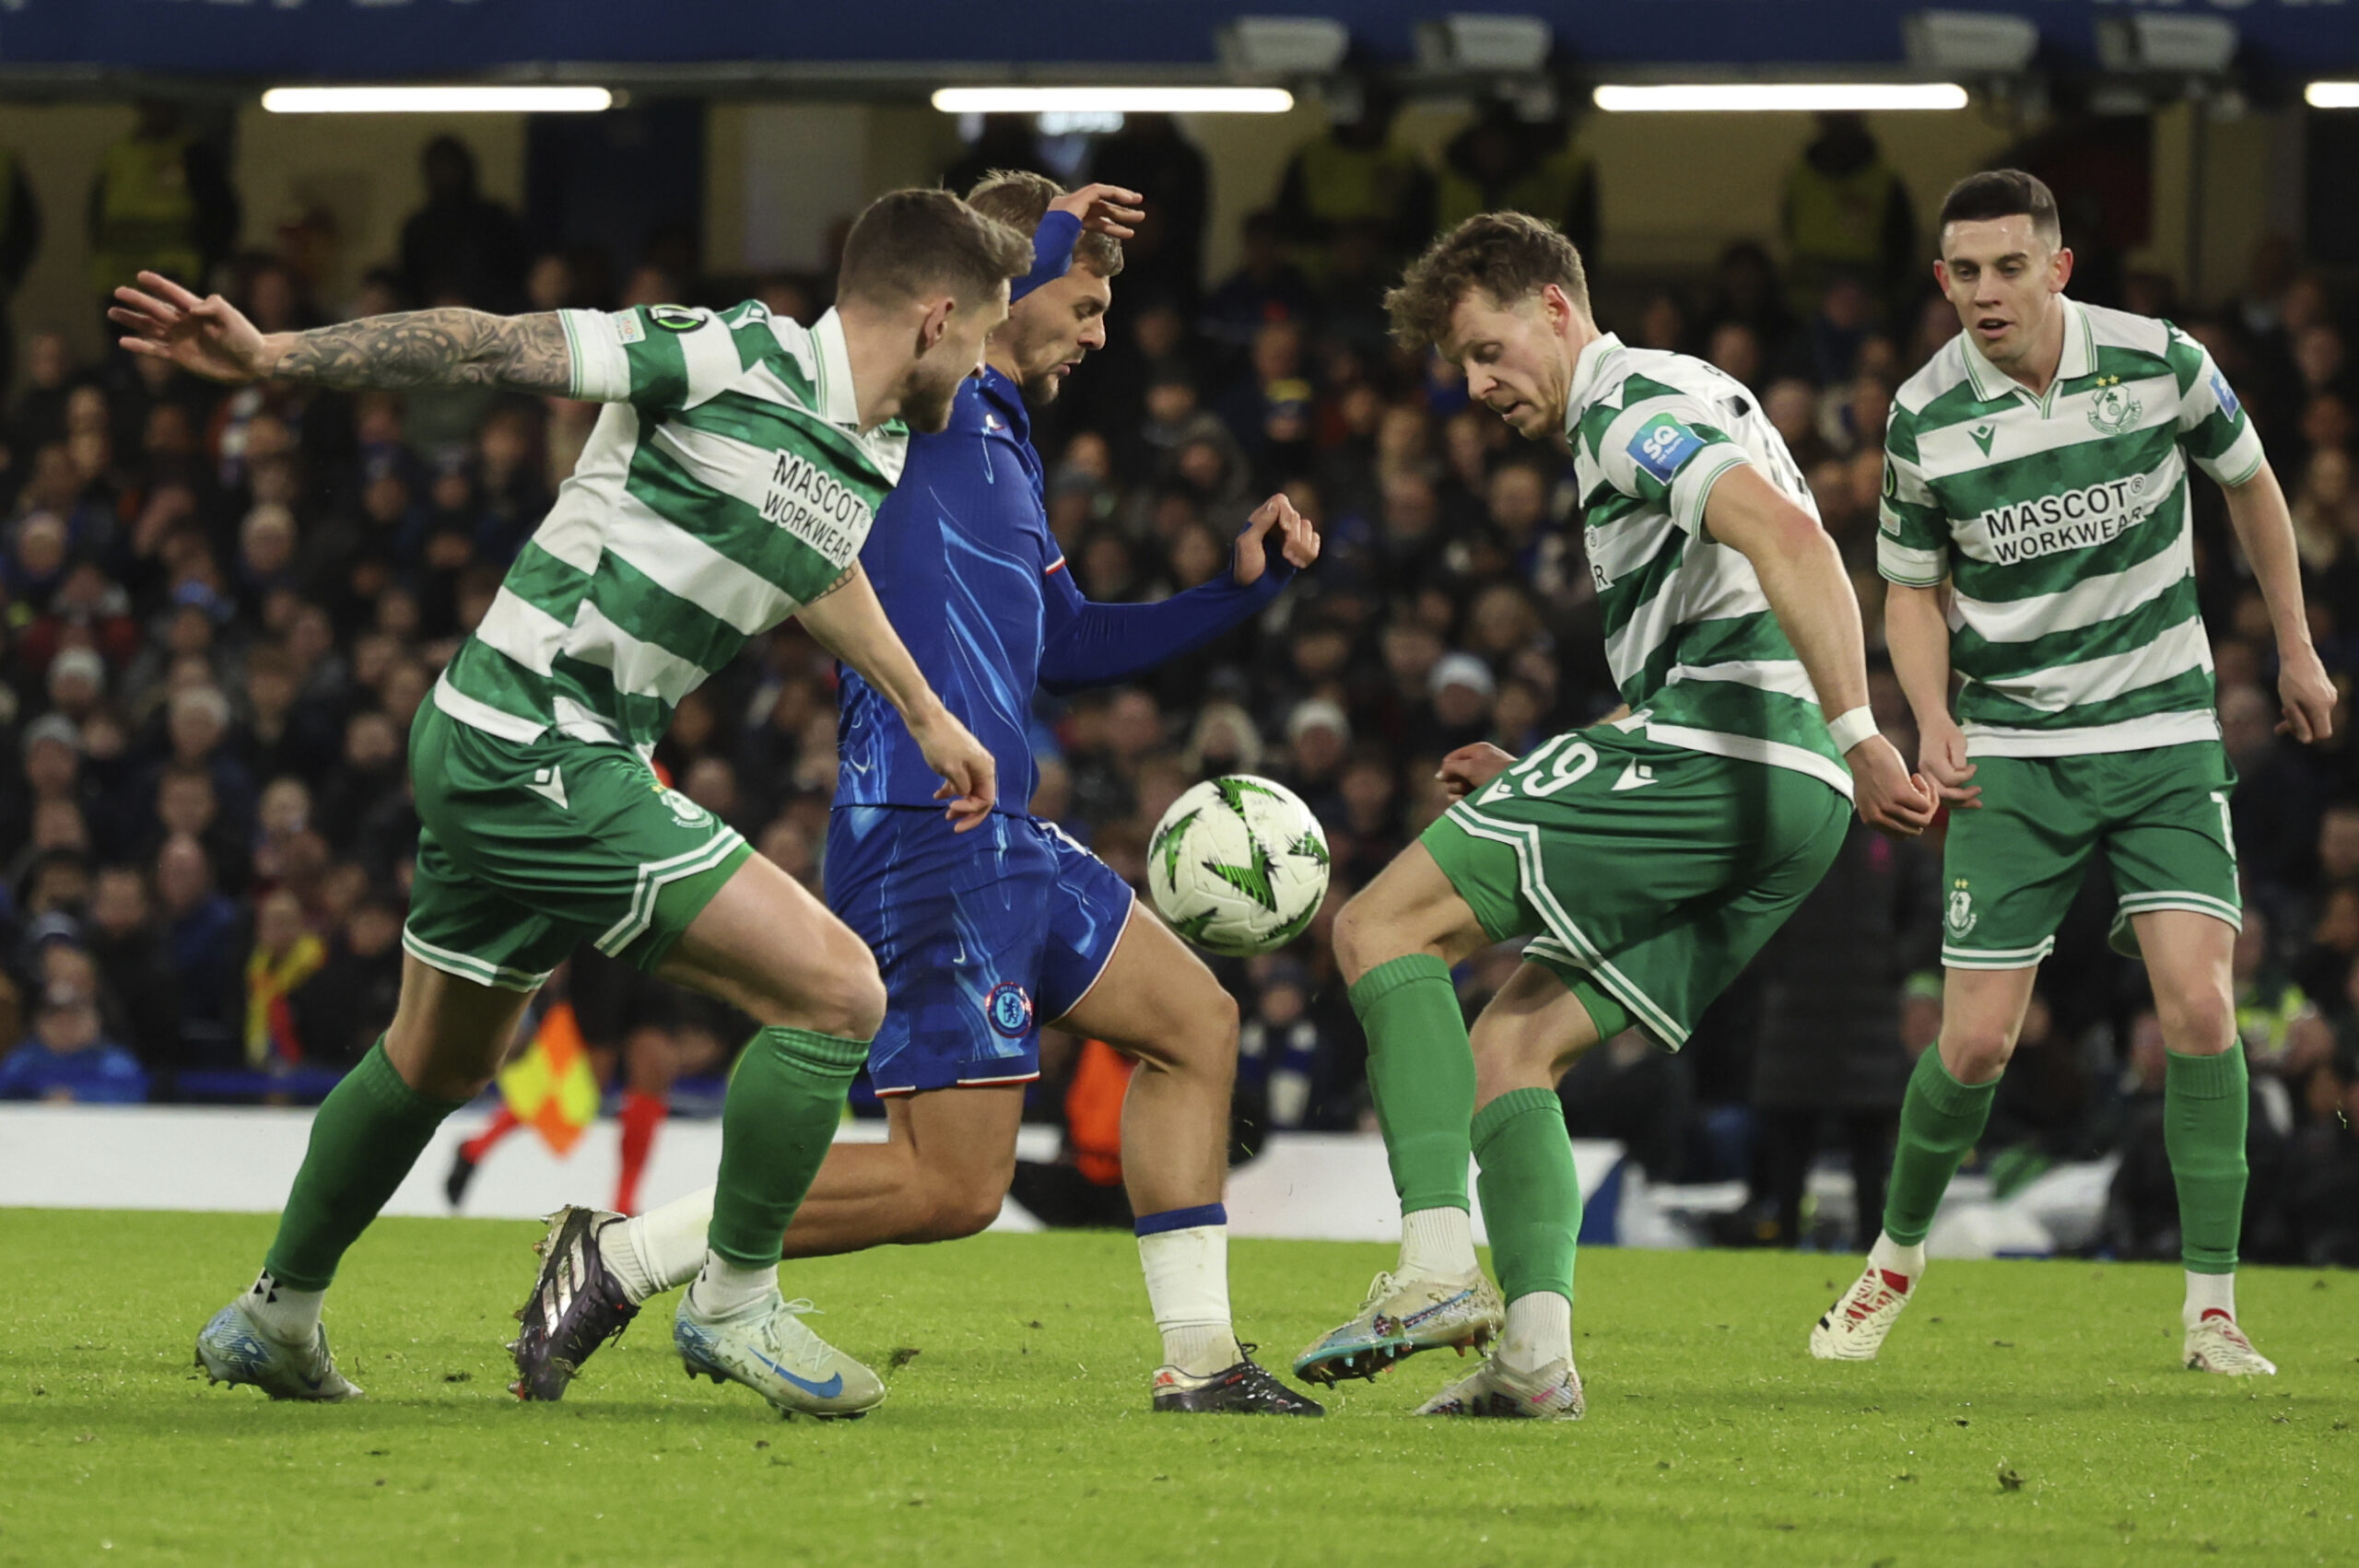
{"points": [[908, 242], [2003, 193], [1020, 199], [1506, 254]]}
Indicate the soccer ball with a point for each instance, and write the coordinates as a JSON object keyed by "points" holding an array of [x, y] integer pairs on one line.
{"points": [[1237, 865]]}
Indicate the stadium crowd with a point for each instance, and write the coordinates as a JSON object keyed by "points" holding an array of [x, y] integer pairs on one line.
{"points": [[223, 608]]}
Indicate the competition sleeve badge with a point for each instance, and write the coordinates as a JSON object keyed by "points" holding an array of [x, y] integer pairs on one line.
{"points": [[1662, 444]]}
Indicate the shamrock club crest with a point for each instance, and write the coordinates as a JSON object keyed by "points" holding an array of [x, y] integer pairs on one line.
{"points": [[2112, 410], [1961, 915]]}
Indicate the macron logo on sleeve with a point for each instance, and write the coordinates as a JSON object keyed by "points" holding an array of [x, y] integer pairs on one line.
{"points": [[1662, 444]]}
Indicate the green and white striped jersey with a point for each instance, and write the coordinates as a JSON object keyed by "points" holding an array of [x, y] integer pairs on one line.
{"points": [[727, 484], [1689, 635], [2061, 522]]}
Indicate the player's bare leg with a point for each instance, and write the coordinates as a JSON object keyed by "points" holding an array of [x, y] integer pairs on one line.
{"points": [[1395, 943], [946, 1162], [447, 1038], [2206, 1102], [1948, 1102], [1523, 1041], [1157, 1003]]}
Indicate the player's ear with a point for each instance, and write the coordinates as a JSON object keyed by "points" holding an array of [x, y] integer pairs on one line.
{"points": [[935, 321], [2063, 266]]}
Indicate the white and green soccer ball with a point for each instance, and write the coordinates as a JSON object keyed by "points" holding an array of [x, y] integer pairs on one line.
{"points": [[1237, 865]]}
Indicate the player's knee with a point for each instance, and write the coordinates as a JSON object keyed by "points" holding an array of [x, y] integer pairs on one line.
{"points": [[847, 999], [1976, 1053], [2201, 1021], [1359, 937], [957, 1211]]}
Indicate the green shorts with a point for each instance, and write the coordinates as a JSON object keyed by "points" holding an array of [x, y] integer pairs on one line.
{"points": [[2013, 865], [1646, 874], [526, 851]]}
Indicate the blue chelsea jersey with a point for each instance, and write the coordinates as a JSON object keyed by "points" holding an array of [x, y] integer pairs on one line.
{"points": [[959, 558]]}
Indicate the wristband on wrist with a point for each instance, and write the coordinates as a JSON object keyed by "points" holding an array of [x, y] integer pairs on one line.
{"points": [[1849, 729]]}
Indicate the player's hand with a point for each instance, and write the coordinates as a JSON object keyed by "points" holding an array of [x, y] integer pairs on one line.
{"points": [[1468, 768], [1942, 757], [1103, 209], [1891, 799], [209, 337], [1298, 541], [2307, 693], [970, 776]]}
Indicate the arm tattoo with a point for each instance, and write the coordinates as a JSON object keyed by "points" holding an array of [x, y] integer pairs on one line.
{"points": [[430, 349], [848, 573]]}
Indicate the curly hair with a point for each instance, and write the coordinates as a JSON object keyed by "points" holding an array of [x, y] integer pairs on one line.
{"points": [[1506, 254]]}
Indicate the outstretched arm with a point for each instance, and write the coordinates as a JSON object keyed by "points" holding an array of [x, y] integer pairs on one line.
{"points": [[212, 338], [1088, 644]]}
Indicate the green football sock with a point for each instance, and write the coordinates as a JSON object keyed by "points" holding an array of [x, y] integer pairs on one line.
{"points": [[1421, 1074], [784, 1102], [368, 1133], [2205, 1104], [1532, 1194], [1940, 1119]]}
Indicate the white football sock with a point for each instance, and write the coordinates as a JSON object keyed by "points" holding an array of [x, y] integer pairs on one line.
{"points": [[660, 1248], [1908, 1263], [1540, 1330], [1437, 1243], [1187, 1286], [290, 1316], [722, 1288], [2208, 1292]]}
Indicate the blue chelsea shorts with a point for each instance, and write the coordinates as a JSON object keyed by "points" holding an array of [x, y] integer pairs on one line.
{"points": [[981, 937]]}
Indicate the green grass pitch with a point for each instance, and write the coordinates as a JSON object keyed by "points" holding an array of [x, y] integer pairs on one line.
{"points": [[2026, 1414]]}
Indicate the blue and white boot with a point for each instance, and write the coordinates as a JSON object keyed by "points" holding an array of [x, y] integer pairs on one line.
{"points": [[768, 1348], [236, 1349]]}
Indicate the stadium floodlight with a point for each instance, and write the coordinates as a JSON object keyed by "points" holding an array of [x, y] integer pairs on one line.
{"points": [[2202, 46], [2333, 95], [1463, 41], [454, 99], [1281, 46], [1970, 44], [1113, 101], [1706, 98]]}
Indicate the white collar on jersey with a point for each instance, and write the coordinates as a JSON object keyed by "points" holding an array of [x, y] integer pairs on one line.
{"points": [[838, 400], [2080, 357], [1588, 371]]}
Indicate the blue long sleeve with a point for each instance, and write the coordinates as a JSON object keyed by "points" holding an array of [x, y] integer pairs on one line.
{"points": [[1053, 245], [1088, 644]]}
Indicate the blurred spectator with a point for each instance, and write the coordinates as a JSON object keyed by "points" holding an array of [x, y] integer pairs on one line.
{"points": [[285, 954], [202, 936], [1265, 288], [69, 1059], [1831, 1052], [134, 964], [461, 248], [1501, 163], [1846, 213], [1006, 141], [161, 201], [1165, 257], [1356, 177], [1641, 1097], [341, 1009], [20, 239]]}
